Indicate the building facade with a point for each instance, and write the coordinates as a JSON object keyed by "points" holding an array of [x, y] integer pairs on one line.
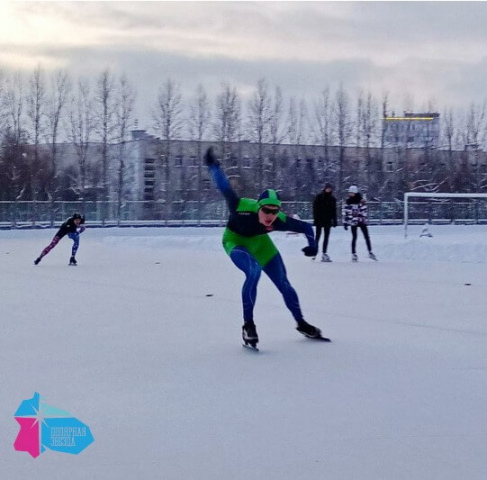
{"points": [[413, 130]]}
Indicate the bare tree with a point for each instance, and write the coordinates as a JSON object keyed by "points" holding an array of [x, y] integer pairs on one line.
{"points": [[449, 129], [227, 120], [296, 122], [323, 128], [408, 102], [199, 122], [259, 123], [82, 123], [227, 127], [343, 129], [14, 104], [168, 121], [296, 134], [474, 136], [368, 131], [358, 122], [125, 102], [105, 126], [3, 109], [16, 137], [56, 103], [36, 106], [387, 185], [276, 134]]}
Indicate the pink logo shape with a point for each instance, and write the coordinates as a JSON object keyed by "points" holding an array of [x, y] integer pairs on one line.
{"points": [[28, 438]]}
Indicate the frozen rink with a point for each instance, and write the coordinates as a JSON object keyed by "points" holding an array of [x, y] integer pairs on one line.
{"points": [[142, 342]]}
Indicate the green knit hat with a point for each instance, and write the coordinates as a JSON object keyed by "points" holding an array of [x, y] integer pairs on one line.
{"points": [[269, 197]]}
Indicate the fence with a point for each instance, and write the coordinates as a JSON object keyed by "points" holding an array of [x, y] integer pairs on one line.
{"points": [[48, 214]]}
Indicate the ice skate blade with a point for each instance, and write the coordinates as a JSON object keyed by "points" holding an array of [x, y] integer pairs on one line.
{"points": [[250, 347], [320, 339]]}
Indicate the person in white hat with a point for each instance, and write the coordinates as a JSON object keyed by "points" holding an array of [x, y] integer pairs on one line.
{"points": [[355, 215]]}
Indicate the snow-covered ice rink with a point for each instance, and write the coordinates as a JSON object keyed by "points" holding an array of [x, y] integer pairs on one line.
{"points": [[142, 343]]}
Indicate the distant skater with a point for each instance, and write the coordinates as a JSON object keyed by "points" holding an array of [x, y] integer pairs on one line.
{"points": [[325, 217], [72, 227], [355, 215], [250, 248]]}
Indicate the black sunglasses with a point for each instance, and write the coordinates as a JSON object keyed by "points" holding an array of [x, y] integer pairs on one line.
{"points": [[270, 211]]}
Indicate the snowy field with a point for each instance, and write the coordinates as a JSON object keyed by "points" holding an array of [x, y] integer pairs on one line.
{"points": [[141, 342]]}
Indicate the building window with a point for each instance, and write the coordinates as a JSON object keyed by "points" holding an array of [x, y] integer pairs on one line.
{"points": [[178, 161], [389, 167], [246, 163]]}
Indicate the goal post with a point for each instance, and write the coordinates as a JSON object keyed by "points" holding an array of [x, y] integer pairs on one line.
{"points": [[408, 195]]}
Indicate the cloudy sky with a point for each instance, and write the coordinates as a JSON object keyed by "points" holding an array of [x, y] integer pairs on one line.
{"points": [[419, 52]]}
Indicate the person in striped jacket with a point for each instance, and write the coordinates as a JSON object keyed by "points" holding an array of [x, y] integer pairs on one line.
{"points": [[355, 216]]}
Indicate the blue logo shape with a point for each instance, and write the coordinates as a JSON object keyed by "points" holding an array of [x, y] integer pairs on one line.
{"points": [[45, 427]]}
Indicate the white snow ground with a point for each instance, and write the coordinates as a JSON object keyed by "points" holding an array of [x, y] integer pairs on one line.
{"points": [[130, 343]]}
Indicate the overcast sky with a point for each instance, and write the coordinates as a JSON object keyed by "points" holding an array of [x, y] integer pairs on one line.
{"points": [[424, 51]]}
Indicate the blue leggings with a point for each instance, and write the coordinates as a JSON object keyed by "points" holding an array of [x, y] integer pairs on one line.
{"points": [[275, 270], [75, 238]]}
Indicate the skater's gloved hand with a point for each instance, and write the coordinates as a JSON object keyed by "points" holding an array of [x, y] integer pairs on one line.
{"points": [[210, 158], [310, 251], [82, 229], [345, 226]]}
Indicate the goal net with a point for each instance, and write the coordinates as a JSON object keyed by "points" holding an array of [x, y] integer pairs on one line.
{"points": [[444, 208]]}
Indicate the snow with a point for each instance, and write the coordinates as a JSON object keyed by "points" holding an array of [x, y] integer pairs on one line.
{"points": [[141, 342]]}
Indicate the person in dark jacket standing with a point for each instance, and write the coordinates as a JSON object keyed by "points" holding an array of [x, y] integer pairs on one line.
{"points": [[355, 215], [325, 217], [247, 243], [72, 227]]}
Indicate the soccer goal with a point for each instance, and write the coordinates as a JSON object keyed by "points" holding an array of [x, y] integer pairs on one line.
{"points": [[453, 207]]}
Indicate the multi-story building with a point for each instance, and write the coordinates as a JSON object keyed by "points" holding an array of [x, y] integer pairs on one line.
{"points": [[413, 130]]}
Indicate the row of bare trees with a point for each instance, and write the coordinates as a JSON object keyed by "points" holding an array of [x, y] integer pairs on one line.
{"points": [[52, 109], [43, 113]]}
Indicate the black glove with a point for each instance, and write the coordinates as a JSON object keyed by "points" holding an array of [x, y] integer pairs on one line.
{"points": [[210, 158], [345, 226], [310, 251]]}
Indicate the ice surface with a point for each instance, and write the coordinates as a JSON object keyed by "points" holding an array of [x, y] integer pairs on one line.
{"points": [[142, 341]]}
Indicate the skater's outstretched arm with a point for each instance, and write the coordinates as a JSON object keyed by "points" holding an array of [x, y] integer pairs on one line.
{"points": [[220, 180], [290, 224]]}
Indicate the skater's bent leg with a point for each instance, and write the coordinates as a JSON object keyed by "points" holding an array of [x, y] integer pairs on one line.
{"points": [[365, 232], [247, 263], [354, 237], [75, 238], [53, 243], [276, 271]]}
